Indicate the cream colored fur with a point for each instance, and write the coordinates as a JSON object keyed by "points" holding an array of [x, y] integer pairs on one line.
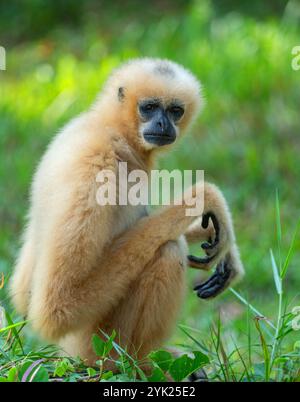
{"points": [[83, 266]]}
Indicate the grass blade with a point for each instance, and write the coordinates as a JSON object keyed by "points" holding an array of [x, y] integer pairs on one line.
{"points": [[243, 362], [265, 350], [252, 308], [17, 324], [278, 227], [201, 347], [277, 278]]}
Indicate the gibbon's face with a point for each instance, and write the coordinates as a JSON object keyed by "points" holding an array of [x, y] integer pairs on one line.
{"points": [[152, 101], [159, 120]]}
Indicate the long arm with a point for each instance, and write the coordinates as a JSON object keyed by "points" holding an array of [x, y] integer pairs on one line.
{"points": [[221, 249]]}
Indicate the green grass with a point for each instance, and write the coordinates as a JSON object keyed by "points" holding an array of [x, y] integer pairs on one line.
{"points": [[247, 141]]}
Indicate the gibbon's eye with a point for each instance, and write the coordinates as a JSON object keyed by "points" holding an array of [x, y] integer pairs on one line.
{"points": [[148, 107], [176, 112]]}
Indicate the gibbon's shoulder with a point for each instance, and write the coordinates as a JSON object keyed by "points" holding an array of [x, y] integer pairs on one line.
{"points": [[80, 145], [84, 133]]}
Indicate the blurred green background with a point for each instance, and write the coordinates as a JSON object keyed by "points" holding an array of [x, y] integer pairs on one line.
{"points": [[247, 139]]}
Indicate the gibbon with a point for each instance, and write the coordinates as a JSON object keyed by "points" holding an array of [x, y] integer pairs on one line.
{"points": [[85, 267]]}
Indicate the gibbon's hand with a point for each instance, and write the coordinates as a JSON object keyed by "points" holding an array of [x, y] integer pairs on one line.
{"points": [[221, 250], [213, 247], [216, 283], [229, 269]]}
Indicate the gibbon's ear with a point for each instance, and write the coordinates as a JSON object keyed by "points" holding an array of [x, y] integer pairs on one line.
{"points": [[121, 94]]}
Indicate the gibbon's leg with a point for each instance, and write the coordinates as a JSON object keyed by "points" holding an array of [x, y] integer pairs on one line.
{"points": [[145, 317], [66, 294], [20, 283], [153, 301]]}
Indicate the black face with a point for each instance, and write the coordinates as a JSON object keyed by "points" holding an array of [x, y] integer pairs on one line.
{"points": [[159, 121]]}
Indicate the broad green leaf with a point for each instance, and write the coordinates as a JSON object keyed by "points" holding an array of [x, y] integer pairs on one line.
{"points": [[36, 374], [40, 374], [107, 375], [180, 368], [12, 375], [199, 360], [183, 366], [101, 347], [91, 372], [21, 369], [162, 358], [110, 343], [157, 375], [62, 367], [98, 346]]}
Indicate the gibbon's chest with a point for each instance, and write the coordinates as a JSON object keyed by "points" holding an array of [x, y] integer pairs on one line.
{"points": [[131, 199], [126, 216]]}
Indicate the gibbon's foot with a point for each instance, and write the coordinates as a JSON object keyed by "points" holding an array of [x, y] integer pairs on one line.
{"points": [[198, 376], [211, 247], [216, 283]]}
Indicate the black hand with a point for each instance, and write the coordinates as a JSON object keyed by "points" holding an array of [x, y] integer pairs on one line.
{"points": [[210, 248], [205, 220], [216, 283]]}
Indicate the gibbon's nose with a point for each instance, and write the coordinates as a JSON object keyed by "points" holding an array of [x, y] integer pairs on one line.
{"points": [[162, 124]]}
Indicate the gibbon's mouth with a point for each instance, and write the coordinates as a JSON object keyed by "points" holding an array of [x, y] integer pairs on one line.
{"points": [[159, 139]]}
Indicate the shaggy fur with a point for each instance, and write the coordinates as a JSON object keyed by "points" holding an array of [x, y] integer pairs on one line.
{"points": [[83, 266]]}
